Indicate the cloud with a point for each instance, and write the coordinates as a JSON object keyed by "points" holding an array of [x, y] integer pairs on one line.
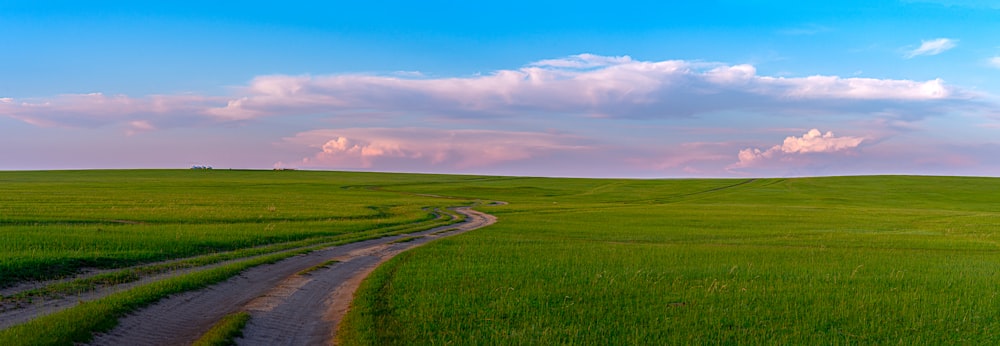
{"points": [[139, 126], [582, 61], [409, 73], [932, 47], [813, 141], [97, 109], [427, 149], [995, 61], [691, 158], [583, 85], [588, 85]]}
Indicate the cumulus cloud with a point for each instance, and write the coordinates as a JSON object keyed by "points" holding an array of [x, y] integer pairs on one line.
{"points": [[813, 141], [583, 85], [425, 148], [932, 47]]}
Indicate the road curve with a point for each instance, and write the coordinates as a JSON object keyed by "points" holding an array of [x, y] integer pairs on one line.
{"points": [[286, 307]]}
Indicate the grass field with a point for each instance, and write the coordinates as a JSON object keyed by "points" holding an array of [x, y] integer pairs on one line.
{"points": [[871, 260], [571, 261], [54, 223], [191, 228]]}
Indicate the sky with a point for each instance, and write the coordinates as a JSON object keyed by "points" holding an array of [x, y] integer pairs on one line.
{"points": [[657, 89]]}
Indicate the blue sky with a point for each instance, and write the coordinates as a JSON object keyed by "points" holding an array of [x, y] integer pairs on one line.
{"points": [[637, 89]]}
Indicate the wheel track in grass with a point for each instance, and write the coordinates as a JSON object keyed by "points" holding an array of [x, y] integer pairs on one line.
{"points": [[29, 300], [287, 307], [19, 288], [672, 199], [720, 188]]}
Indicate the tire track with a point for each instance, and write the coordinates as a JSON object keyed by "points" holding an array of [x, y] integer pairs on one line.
{"points": [[15, 310], [287, 308]]}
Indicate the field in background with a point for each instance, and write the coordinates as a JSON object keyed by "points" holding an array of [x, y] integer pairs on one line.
{"points": [[798, 261]]}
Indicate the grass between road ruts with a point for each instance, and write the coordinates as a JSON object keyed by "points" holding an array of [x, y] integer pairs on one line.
{"points": [[226, 331], [77, 324], [136, 273]]}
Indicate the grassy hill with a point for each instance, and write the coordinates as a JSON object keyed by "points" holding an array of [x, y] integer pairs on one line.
{"points": [[881, 259]]}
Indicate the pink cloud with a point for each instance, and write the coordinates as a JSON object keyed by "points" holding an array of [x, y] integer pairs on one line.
{"points": [[139, 126], [813, 141], [689, 158], [583, 85], [426, 149], [97, 109]]}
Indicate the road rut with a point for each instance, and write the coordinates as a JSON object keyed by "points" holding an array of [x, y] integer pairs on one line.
{"points": [[286, 307]]}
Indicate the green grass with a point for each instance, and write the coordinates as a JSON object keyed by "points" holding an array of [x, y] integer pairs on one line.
{"points": [[52, 224], [869, 260], [841, 260], [77, 324], [226, 331]]}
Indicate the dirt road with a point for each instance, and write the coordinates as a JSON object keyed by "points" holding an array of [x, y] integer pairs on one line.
{"points": [[286, 307]]}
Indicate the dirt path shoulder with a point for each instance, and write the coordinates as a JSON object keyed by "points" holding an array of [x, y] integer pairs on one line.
{"points": [[287, 307]]}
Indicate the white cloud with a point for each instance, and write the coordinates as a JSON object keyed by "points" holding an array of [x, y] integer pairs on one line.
{"points": [[995, 61], [817, 142], [932, 47], [832, 87], [813, 141], [583, 61], [414, 74], [426, 148], [584, 85]]}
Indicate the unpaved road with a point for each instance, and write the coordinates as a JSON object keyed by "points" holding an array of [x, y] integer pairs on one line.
{"points": [[286, 308]]}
